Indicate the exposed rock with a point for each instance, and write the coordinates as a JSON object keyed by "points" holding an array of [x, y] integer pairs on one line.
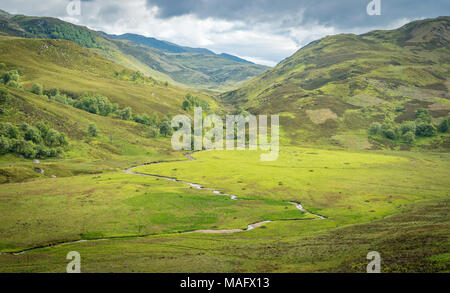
{"points": [[39, 170]]}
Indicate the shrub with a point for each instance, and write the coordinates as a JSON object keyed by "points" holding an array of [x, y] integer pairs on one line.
{"points": [[408, 126], [152, 131], [43, 128], [425, 129], [92, 130], [444, 125], [8, 130], [4, 145], [423, 115], [165, 128], [12, 75], [126, 114], [33, 134], [389, 133], [37, 89], [375, 128], [52, 138], [142, 119], [4, 96], [13, 84], [409, 137]]}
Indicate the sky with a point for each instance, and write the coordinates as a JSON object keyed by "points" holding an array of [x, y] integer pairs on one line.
{"points": [[262, 31]]}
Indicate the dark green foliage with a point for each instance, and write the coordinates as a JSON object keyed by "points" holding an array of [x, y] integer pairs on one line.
{"points": [[8, 130], [4, 145], [408, 126], [37, 89], [423, 115], [33, 134], [31, 142], [444, 126], [425, 129], [126, 113], [190, 102], [92, 130], [165, 128], [4, 96], [409, 137], [12, 75], [142, 119], [96, 104]]}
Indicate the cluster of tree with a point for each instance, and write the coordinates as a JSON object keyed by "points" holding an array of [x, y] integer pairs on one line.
{"points": [[39, 141], [407, 131], [11, 78], [101, 105], [190, 102]]}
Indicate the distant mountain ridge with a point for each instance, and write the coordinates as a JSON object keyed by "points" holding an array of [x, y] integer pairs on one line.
{"points": [[171, 47], [194, 67]]}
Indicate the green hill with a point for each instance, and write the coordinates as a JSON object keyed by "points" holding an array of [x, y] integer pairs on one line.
{"points": [[198, 69], [333, 89]]}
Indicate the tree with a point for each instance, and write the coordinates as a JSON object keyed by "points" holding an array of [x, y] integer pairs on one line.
{"points": [[375, 128], [43, 128], [142, 119], [54, 92], [12, 75], [37, 89], [409, 137], [444, 126], [423, 115], [33, 134], [8, 130], [4, 96], [165, 128], [4, 145], [52, 138], [425, 129], [152, 131], [92, 130], [408, 126], [126, 113]]}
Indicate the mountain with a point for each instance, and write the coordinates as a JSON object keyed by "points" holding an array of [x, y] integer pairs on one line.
{"points": [[161, 45], [333, 89], [171, 47], [193, 67]]}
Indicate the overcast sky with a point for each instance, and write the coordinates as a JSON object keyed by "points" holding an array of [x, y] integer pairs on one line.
{"points": [[263, 31]]}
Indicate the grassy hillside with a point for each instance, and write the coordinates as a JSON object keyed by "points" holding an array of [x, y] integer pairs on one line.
{"points": [[330, 91], [193, 68]]}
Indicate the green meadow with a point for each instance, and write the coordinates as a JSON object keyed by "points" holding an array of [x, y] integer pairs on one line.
{"points": [[116, 191]]}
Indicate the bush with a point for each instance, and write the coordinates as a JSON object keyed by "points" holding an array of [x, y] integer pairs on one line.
{"points": [[12, 75], [126, 114], [142, 119], [152, 131], [92, 130], [43, 128], [425, 129], [375, 128], [37, 89], [409, 137], [13, 84], [8, 130], [408, 126], [389, 133], [165, 128], [4, 96], [33, 134], [423, 115], [444, 126], [4, 145]]}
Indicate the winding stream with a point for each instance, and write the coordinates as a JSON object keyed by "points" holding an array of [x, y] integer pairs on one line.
{"points": [[194, 185]]}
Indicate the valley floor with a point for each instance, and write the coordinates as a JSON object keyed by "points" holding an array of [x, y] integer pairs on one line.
{"points": [[396, 203]]}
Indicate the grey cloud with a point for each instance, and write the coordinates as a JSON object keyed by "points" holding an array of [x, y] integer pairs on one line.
{"points": [[340, 14]]}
